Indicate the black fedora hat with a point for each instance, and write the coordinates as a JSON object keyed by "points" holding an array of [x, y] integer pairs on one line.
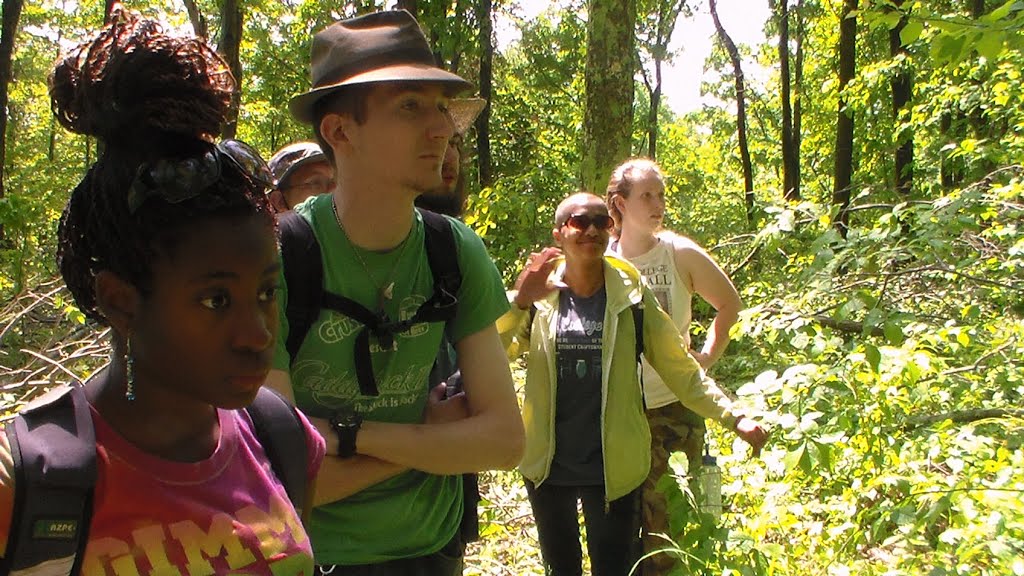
{"points": [[380, 47]]}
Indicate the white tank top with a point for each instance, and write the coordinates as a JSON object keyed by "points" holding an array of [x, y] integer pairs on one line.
{"points": [[658, 267]]}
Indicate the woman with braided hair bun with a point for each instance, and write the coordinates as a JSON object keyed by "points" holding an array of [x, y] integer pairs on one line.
{"points": [[170, 242]]}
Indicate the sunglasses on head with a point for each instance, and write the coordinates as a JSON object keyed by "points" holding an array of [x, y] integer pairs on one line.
{"points": [[176, 181], [583, 221]]}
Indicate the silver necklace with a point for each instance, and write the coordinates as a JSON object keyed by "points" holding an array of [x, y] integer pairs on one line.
{"points": [[385, 289]]}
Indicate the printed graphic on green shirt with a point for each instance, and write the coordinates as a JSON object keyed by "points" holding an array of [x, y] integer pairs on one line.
{"points": [[414, 513]]}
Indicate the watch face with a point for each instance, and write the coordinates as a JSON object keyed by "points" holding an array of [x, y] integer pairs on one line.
{"points": [[345, 419]]}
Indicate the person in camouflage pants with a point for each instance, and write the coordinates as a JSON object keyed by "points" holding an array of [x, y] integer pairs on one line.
{"points": [[673, 428]]}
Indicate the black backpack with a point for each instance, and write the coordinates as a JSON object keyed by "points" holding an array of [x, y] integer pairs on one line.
{"points": [[304, 277], [53, 447]]}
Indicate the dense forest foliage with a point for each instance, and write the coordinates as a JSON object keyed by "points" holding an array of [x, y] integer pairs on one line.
{"points": [[867, 199]]}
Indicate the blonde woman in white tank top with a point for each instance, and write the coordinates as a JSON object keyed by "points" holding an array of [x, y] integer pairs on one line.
{"points": [[676, 268]]}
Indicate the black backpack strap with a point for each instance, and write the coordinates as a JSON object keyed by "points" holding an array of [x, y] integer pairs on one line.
{"points": [[443, 257], [53, 447], [638, 330], [303, 275], [280, 431], [439, 241], [376, 323]]}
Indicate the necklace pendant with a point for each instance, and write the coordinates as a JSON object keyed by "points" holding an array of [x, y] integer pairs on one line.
{"points": [[388, 291]]}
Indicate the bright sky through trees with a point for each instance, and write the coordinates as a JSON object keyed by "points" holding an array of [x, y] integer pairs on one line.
{"points": [[691, 44]]}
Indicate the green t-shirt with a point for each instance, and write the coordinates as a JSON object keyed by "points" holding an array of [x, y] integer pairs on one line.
{"points": [[414, 513]]}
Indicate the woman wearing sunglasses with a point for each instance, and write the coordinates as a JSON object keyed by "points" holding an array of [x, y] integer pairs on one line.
{"points": [[587, 436], [675, 268], [170, 242]]}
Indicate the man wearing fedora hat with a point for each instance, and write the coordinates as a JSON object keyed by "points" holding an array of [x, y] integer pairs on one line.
{"points": [[390, 502]]}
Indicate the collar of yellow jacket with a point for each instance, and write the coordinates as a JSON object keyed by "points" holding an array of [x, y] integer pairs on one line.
{"points": [[622, 281]]}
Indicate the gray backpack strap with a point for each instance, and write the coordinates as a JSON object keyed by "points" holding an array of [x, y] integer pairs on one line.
{"points": [[53, 446], [280, 431]]}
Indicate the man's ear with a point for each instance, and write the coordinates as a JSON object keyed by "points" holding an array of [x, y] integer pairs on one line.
{"points": [[118, 300], [556, 233], [335, 130]]}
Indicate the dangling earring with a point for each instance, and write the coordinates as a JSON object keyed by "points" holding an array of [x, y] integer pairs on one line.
{"points": [[129, 360]]}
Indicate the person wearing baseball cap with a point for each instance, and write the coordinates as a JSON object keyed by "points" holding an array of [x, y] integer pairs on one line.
{"points": [[389, 495], [300, 170]]}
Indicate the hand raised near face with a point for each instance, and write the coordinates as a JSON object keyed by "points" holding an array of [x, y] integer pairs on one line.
{"points": [[533, 282]]}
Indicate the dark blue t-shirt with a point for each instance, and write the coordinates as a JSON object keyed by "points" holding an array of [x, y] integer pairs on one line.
{"points": [[580, 330]]}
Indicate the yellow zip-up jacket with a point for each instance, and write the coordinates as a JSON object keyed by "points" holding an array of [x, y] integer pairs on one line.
{"points": [[625, 435]]}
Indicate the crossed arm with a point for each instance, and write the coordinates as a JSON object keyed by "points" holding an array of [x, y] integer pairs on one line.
{"points": [[480, 429]]}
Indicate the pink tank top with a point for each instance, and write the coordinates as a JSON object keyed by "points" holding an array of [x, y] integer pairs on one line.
{"points": [[225, 514]]}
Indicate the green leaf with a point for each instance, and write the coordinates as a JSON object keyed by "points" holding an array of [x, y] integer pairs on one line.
{"points": [[890, 19], [794, 458], [824, 455], [1000, 12], [911, 31], [873, 356], [991, 43], [809, 458], [893, 333], [948, 48]]}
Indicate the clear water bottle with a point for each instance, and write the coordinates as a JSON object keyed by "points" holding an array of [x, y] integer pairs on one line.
{"points": [[710, 479]]}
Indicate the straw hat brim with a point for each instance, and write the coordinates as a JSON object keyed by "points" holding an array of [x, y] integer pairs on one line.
{"points": [[464, 112], [301, 106]]}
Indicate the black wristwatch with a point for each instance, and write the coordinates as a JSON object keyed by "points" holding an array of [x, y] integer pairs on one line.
{"points": [[346, 425]]}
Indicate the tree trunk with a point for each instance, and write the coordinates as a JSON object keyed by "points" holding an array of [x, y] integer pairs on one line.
{"points": [[108, 8], [411, 5], [953, 126], [741, 111], [977, 9], [652, 113], [655, 42], [608, 80], [790, 187], [951, 170], [902, 85], [456, 59], [844, 125], [228, 47], [460, 7], [483, 122], [12, 13], [195, 16], [798, 90]]}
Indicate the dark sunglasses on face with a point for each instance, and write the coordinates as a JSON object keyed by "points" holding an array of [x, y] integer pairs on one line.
{"points": [[583, 221], [176, 181]]}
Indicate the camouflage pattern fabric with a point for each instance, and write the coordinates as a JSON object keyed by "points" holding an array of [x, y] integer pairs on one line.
{"points": [[674, 428]]}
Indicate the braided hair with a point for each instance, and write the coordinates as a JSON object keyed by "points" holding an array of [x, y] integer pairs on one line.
{"points": [[148, 97]]}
